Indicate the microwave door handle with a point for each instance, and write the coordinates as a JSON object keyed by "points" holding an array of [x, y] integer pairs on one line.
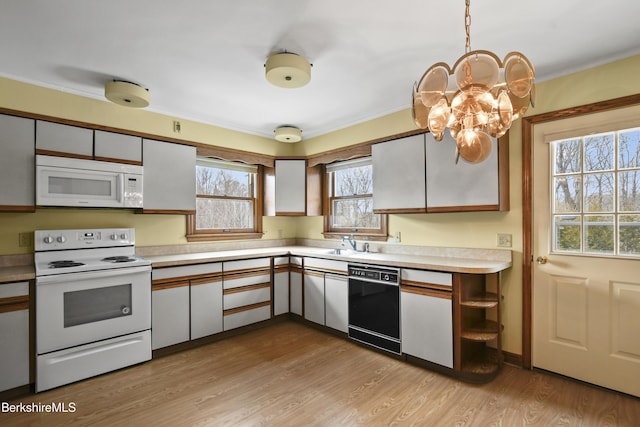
{"points": [[120, 189]]}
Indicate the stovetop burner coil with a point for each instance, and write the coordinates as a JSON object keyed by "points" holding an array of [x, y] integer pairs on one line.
{"points": [[64, 264]]}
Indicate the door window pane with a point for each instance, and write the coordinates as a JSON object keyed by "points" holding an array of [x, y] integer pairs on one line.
{"points": [[598, 192], [629, 232], [568, 193], [568, 233], [599, 234]]}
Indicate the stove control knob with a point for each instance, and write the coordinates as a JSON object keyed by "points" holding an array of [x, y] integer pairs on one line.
{"points": [[123, 236], [114, 237], [48, 239], [61, 239]]}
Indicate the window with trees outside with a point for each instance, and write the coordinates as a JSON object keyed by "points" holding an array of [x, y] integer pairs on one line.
{"points": [[596, 194], [227, 202], [349, 201]]}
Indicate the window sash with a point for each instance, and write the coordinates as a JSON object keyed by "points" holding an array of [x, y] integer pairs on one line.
{"points": [[332, 226], [250, 226]]}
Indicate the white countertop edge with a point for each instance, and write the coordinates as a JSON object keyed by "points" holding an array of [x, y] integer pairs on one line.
{"points": [[449, 264]]}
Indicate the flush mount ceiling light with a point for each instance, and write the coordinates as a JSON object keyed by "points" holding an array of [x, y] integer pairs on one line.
{"points": [[127, 94], [288, 134], [486, 96], [287, 70]]}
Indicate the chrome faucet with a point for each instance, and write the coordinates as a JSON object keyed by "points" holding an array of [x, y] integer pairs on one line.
{"points": [[351, 241]]}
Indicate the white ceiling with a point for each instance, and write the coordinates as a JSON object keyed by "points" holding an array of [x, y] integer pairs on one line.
{"points": [[203, 60]]}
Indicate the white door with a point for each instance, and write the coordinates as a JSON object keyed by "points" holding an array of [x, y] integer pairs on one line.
{"points": [[586, 238]]}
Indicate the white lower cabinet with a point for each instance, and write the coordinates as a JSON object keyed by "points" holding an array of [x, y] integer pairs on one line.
{"points": [[427, 327], [14, 336], [206, 307], [170, 314], [186, 303], [280, 285], [336, 297], [295, 286], [314, 296]]}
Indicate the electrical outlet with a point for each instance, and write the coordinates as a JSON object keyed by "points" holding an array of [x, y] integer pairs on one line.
{"points": [[503, 240], [25, 240]]}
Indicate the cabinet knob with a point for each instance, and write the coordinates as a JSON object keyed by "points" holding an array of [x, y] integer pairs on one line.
{"points": [[542, 260]]}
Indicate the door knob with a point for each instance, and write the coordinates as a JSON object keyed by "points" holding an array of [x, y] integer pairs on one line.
{"points": [[541, 260]]}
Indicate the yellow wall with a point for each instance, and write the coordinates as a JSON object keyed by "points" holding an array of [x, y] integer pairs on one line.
{"points": [[457, 229]]}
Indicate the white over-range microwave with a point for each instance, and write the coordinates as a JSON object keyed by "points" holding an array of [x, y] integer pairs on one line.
{"points": [[62, 181]]}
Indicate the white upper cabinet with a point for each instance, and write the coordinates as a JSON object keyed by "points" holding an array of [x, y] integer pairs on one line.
{"points": [[399, 175], [117, 147], [464, 186], [17, 164], [169, 177], [419, 174], [56, 138], [291, 187]]}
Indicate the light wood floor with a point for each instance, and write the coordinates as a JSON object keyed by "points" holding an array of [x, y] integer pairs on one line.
{"points": [[288, 374]]}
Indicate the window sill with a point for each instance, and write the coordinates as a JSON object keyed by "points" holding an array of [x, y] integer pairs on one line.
{"points": [[358, 236], [207, 237]]}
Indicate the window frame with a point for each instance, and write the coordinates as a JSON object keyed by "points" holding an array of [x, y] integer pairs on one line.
{"points": [[195, 235], [379, 234]]}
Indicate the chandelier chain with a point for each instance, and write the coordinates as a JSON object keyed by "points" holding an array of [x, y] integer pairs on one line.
{"points": [[467, 26]]}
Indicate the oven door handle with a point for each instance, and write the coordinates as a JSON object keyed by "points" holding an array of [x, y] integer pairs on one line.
{"points": [[88, 275]]}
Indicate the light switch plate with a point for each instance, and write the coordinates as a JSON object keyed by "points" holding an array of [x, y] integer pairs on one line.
{"points": [[503, 240]]}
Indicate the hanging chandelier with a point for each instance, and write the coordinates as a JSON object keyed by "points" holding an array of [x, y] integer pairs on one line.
{"points": [[481, 102]]}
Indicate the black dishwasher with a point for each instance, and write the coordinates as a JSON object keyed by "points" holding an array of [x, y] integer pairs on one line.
{"points": [[374, 306]]}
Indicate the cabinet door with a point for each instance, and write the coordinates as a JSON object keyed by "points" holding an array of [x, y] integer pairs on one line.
{"points": [[170, 315], [17, 164], [117, 147], [56, 138], [14, 336], [314, 297], [295, 289], [206, 307], [336, 300], [280, 285], [461, 185], [399, 175], [169, 177], [427, 327], [291, 187]]}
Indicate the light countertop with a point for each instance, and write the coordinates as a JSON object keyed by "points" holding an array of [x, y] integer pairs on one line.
{"points": [[447, 259]]}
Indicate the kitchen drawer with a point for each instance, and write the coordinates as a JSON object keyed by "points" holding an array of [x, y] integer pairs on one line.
{"points": [[186, 271], [8, 290], [246, 317], [429, 277], [325, 265], [246, 297], [281, 260], [247, 264], [246, 279]]}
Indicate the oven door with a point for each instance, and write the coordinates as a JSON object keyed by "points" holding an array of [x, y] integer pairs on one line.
{"points": [[374, 313], [79, 308]]}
